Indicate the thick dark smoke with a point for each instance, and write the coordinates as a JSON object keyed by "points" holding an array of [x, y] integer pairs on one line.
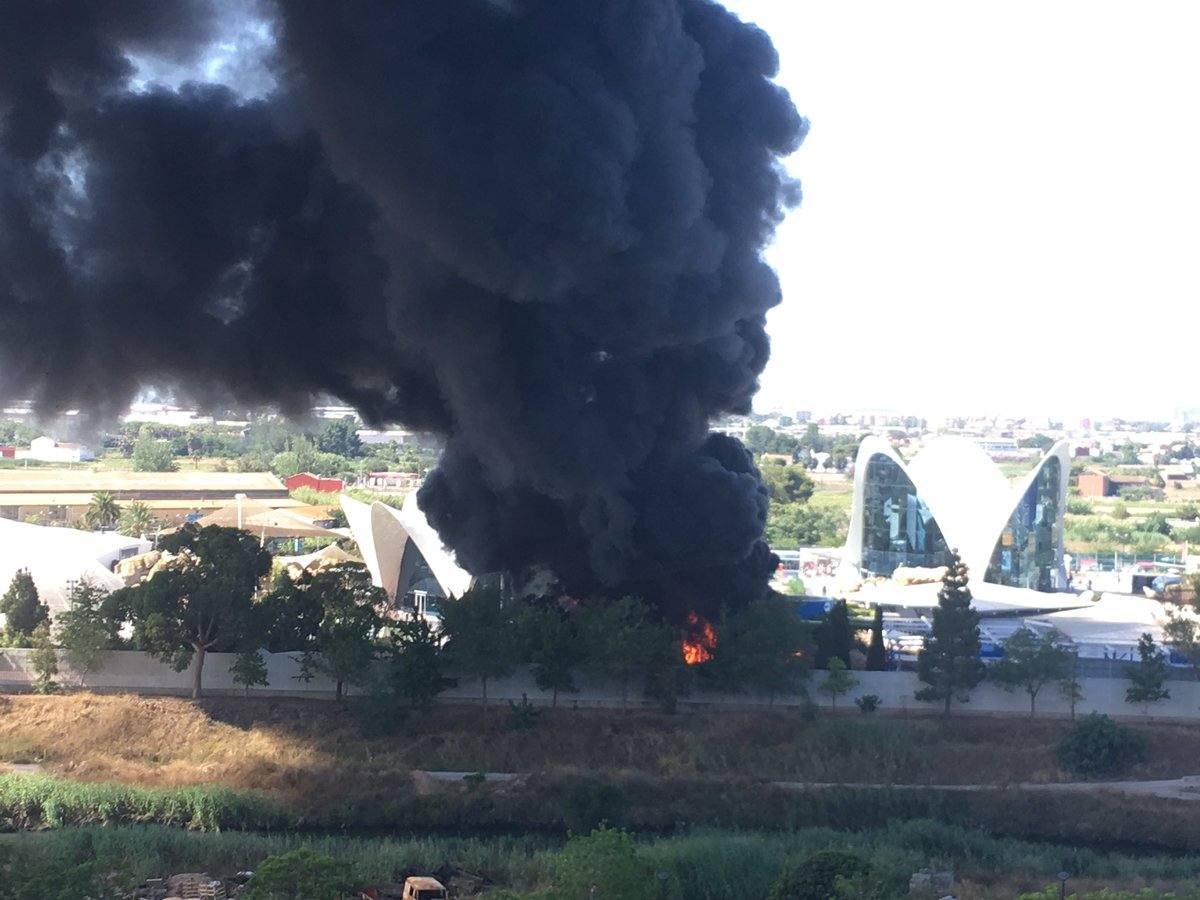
{"points": [[534, 227]]}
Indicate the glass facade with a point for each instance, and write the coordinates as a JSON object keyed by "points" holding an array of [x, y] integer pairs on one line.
{"points": [[898, 528], [1026, 554]]}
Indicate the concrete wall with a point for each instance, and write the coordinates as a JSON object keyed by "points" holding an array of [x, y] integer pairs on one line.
{"points": [[130, 670]]}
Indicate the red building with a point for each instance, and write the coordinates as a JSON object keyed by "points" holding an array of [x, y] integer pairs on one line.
{"points": [[7, 452], [309, 480]]}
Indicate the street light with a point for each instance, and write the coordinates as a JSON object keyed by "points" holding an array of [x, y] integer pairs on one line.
{"points": [[239, 498], [1062, 884]]}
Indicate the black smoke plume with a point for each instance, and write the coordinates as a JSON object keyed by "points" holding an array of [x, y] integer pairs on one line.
{"points": [[534, 227]]}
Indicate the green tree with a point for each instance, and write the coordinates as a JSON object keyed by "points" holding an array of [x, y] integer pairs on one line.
{"points": [[343, 645], [152, 455], [1182, 633], [876, 651], [340, 437], [834, 636], [839, 680], [761, 648], [1120, 511], [817, 877], [137, 520], [1070, 687], [949, 662], [607, 860], [480, 631], [23, 610], [416, 665], [795, 587], [248, 669], [1032, 661], [787, 484], [758, 439], [302, 874], [552, 646], [1147, 680], [44, 659], [102, 511], [201, 603], [83, 632], [621, 635], [1156, 523]]}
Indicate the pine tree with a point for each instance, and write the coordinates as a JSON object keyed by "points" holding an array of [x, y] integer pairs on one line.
{"points": [[949, 662], [23, 610], [876, 653], [1146, 679]]}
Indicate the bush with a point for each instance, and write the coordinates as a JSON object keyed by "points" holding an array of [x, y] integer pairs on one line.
{"points": [[1097, 745], [867, 703], [301, 873], [607, 859], [817, 877], [591, 804]]}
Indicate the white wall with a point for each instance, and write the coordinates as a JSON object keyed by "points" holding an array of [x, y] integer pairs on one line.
{"points": [[132, 670]]}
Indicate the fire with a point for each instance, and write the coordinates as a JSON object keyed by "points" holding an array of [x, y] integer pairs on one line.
{"points": [[701, 638]]}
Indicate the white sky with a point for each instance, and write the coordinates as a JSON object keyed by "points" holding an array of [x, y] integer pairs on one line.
{"points": [[1001, 206]]}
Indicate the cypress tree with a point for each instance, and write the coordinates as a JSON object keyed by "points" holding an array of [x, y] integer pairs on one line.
{"points": [[23, 609], [876, 654], [949, 663], [834, 636]]}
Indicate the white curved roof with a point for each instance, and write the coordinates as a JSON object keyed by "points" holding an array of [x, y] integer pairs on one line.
{"points": [[56, 557], [967, 494], [386, 536]]}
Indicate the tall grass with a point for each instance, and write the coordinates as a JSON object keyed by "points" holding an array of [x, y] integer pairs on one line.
{"points": [[39, 801]]}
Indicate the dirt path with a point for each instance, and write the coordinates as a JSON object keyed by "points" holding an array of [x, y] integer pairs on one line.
{"points": [[1186, 788]]}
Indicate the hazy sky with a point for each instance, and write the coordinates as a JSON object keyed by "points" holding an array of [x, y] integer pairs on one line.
{"points": [[1001, 206]]}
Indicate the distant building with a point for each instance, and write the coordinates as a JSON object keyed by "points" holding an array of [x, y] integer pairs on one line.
{"points": [[315, 482], [393, 482], [7, 452], [47, 449], [1094, 484]]}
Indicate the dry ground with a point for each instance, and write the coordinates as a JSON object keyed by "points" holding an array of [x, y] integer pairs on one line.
{"points": [[296, 747]]}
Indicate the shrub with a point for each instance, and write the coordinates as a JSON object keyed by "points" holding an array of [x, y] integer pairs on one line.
{"points": [[817, 877], [1077, 506], [607, 859], [522, 716], [1097, 745], [301, 873], [592, 803], [867, 703]]}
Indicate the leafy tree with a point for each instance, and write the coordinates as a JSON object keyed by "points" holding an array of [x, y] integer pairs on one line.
{"points": [[1120, 510], [136, 520], [1147, 679], [102, 511], [340, 437], [202, 602], [83, 632], [1030, 662], [23, 610], [481, 633], [834, 636], [552, 646], [248, 669], [1037, 442], [817, 877], [290, 614], [44, 659], [1070, 687], [620, 636], [607, 858], [302, 873], [840, 680], [792, 525], [787, 484], [759, 648], [1182, 634], [343, 645], [1157, 523], [1189, 512], [416, 665], [152, 455], [949, 662], [795, 587], [876, 652]]}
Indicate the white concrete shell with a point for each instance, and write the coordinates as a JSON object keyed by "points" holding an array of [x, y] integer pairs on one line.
{"points": [[392, 541], [966, 493]]}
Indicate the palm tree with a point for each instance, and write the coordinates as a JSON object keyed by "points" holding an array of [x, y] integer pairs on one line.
{"points": [[102, 512], [137, 520]]}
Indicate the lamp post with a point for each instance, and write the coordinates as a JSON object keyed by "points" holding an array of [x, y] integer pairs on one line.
{"points": [[1062, 884], [239, 498]]}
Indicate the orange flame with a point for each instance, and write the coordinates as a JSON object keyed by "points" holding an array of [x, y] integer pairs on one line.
{"points": [[701, 638]]}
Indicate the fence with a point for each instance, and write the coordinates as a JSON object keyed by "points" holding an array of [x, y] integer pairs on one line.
{"points": [[131, 670]]}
